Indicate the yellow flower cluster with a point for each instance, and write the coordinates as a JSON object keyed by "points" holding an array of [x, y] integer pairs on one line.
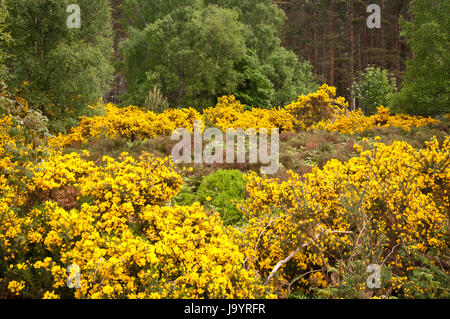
{"points": [[133, 122], [321, 105], [230, 113], [130, 122], [15, 287], [6, 145], [393, 198], [357, 122], [108, 225], [15, 160], [319, 110], [70, 227]]}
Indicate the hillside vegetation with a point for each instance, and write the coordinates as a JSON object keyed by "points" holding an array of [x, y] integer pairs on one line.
{"points": [[352, 191]]}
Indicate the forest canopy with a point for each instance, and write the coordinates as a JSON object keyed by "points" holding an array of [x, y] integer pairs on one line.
{"points": [[198, 50], [161, 54]]}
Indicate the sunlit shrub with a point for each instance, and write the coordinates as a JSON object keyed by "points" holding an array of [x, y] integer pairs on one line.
{"points": [[385, 207], [315, 234], [319, 110], [314, 107], [357, 122], [117, 233]]}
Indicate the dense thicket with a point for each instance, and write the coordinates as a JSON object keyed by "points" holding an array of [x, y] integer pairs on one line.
{"points": [[334, 37], [192, 52], [198, 50], [426, 88], [59, 70], [4, 37]]}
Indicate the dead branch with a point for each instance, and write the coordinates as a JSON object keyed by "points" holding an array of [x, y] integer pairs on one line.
{"points": [[286, 260]]}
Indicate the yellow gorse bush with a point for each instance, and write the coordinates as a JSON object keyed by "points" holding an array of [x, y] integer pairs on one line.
{"points": [[130, 122], [321, 105], [125, 244], [114, 223], [230, 113], [394, 195], [357, 122], [16, 158], [319, 110]]}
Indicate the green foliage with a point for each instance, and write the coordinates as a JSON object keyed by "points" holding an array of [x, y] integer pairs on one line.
{"points": [[354, 285], [220, 191], [289, 76], [375, 88], [426, 86], [32, 124], [189, 53], [155, 101], [59, 70], [428, 281], [186, 196], [5, 38], [138, 13], [196, 51], [29, 131], [263, 20], [255, 89]]}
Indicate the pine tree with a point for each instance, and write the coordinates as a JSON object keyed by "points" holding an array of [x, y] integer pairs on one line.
{"points": [[333, 35]]}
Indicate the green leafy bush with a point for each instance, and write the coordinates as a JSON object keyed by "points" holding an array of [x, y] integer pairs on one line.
{"points": [[29, 123], [255, 89], [375, 88], [58, 70], [425, 89], [221, 191]]}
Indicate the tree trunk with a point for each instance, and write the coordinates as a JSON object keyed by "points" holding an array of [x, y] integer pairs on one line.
{"points": [[365, 60], [352, 51], [315, 37], [331, 43], [358, 49], [383, 56], [397, 35]]}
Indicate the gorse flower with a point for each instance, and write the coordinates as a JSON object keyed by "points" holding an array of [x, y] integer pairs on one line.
{"points": [[356, 122], [115, 220], [125, 243], [133, 122], [396, 194]]}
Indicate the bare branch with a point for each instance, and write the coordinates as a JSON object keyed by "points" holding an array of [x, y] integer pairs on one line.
{"points": [[286, 260]]}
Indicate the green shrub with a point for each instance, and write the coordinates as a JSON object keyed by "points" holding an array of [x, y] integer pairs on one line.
{"points": [[32, 124], [221, 191], [428, 281], [186, 196], [375, 88]]}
